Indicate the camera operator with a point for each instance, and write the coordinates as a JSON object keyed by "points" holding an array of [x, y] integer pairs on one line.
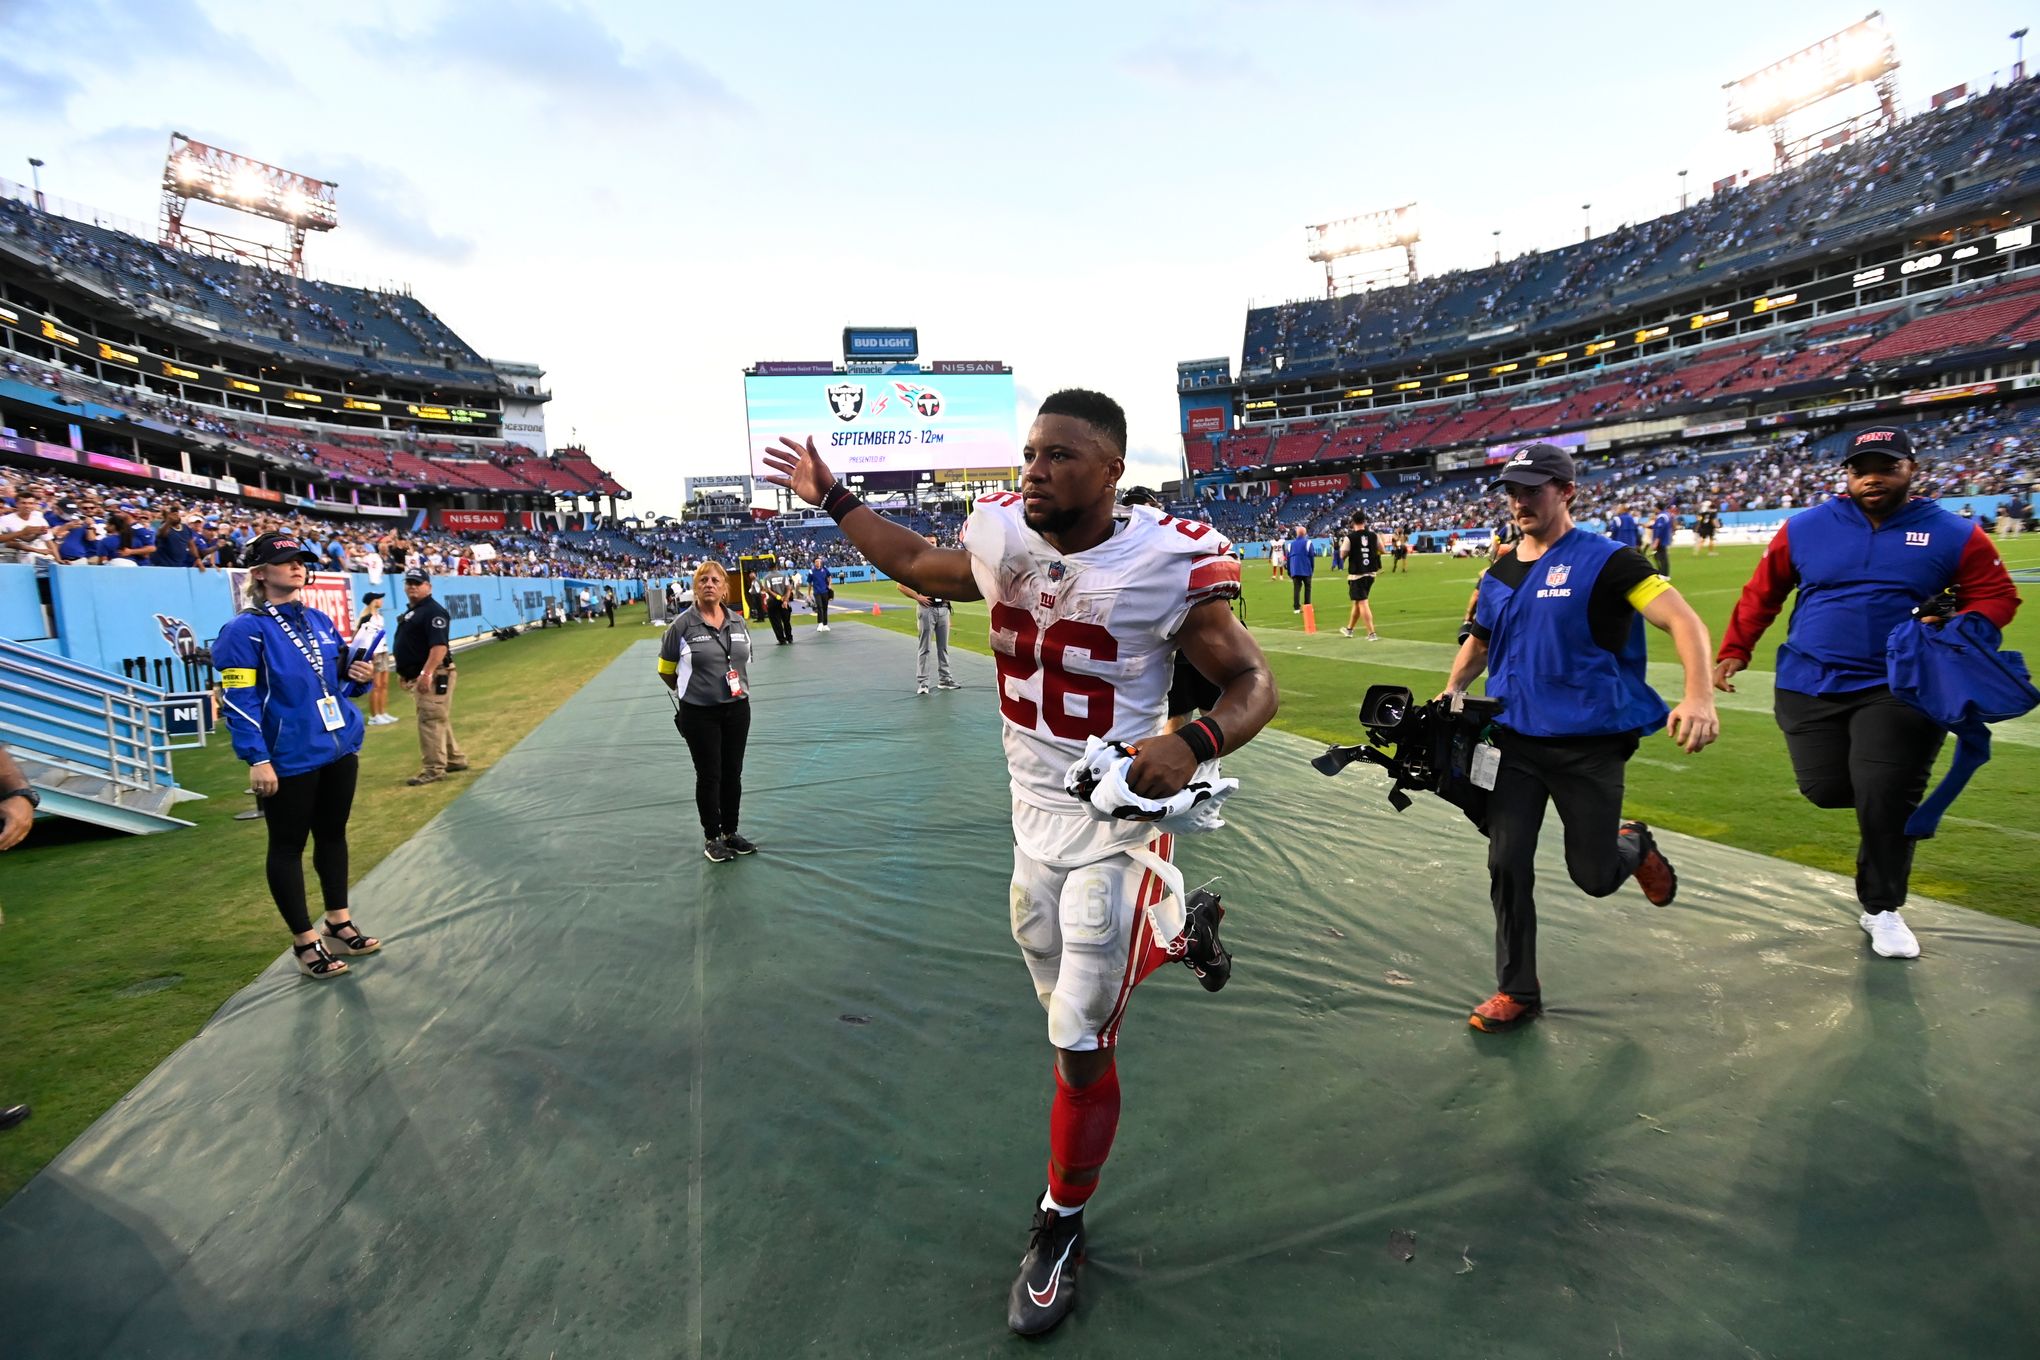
{"points": [[1559, 629], [1861, 564]]}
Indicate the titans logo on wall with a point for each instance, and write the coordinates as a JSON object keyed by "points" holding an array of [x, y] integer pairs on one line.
{"points": [[183, 642], [847, 400]]}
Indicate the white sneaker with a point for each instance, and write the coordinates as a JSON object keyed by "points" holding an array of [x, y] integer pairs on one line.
{"points": [[821, 628], [1889, 935], [1345, 632], [1374, 637], [920, 689]]}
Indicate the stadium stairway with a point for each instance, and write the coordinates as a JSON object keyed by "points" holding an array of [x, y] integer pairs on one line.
{"points": [[95, 746]]}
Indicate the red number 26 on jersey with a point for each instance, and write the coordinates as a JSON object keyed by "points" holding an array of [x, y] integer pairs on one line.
{"points": [[1034, 649]]}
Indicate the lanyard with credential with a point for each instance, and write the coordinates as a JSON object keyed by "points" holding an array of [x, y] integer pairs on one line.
{"points": [[730, 676], [329, 707]]}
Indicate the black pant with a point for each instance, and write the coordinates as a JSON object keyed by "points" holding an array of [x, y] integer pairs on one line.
{"points": [[781, 617], [1299, 592], [1871, 751], [609, 612], [316, 804], [715, 736], [1663, 558], [821, 608], [1583, 776]]}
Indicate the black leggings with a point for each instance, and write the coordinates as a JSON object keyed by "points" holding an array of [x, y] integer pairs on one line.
{"points": [[715, 736], [316, 804]]}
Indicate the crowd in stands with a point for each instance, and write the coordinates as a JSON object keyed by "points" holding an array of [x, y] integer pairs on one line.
{"points": [[1985, 450], [407, 460], [383, 331], [1987, 145]]}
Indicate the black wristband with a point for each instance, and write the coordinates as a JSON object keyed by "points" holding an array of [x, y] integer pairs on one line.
{"points": [[1204, 738], [840, 501]]}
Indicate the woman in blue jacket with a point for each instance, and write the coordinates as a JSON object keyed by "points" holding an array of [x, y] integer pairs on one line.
{"points": [[286, 678]]}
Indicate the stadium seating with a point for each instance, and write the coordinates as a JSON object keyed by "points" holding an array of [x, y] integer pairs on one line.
{"points": [[1984, 146]]}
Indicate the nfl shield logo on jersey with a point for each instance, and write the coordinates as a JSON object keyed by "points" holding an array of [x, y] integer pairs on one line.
{"points": [[1559, 571], [847, 400], [1055, 571]]}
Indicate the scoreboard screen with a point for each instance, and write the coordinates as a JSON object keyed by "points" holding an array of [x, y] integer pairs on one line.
{"points": [[886, 422]]}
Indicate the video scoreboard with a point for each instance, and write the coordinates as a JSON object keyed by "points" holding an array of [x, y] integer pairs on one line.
{"points": [[889, 420]]}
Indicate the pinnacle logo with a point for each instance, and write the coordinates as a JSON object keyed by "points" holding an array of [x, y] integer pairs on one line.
{"points": [[847, 400]]}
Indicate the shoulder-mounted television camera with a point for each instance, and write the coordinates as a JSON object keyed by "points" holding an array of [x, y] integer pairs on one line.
{"points": [[1422, 746]]}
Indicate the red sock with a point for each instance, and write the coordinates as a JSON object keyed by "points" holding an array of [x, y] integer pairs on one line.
{"points": [[1080, 1128]]}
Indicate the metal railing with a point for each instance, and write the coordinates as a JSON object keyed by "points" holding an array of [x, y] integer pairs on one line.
{"points": [[83, 721]]}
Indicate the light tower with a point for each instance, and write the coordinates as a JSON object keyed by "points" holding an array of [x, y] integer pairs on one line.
{"points": [[1861, 54], [195, 171], [1368, 234]]}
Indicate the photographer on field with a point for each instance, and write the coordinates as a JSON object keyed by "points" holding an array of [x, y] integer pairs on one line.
{"points": [[1559, 629]]}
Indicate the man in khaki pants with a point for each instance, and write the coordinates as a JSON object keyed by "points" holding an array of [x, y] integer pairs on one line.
{"points": [[425, 667]]}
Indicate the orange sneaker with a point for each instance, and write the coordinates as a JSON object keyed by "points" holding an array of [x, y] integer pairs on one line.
{"points": [[1654, 873], [1502, 1012]]}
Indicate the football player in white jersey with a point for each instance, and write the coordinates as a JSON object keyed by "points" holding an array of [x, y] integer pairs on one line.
{"points": [[1090, 603]]}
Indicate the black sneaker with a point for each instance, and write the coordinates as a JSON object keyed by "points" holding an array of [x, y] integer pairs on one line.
{"points": [[1202, 952], [1046, 1290], [717, 851], [738, 843]]}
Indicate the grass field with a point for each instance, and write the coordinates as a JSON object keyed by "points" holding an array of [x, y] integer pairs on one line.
{"points": [[1739, 791], [117, 949]]}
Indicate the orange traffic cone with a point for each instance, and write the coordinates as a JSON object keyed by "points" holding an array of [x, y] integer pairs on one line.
{"points": [[874, 609], [1309, 619]]}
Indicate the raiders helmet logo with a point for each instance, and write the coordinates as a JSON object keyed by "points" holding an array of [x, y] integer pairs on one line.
{"points": [[847, 400]]}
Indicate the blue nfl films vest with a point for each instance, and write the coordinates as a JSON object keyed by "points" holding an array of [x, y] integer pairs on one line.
{"points": [[1553, 678]]}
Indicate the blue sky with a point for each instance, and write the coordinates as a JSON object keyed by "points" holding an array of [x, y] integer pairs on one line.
{"points": [[647, 198]]}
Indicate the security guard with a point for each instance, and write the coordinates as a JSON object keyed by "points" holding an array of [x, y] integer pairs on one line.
{"points": [[1863, 563], [425, 667], [1557, 628]]}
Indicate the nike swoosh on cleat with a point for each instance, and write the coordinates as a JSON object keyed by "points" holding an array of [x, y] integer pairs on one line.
{"points": [[1042, 1300]]}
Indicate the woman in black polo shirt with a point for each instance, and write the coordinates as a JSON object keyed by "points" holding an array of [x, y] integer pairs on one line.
{"points": [[705, 660]]}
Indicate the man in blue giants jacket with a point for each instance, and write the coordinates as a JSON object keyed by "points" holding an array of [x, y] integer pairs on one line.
{"points": [[818, 582], [1862, 563], [1558, 626], [1302, 561], [1622, 527]]}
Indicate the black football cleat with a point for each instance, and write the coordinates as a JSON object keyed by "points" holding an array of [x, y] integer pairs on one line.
{"points": [[1202, 952], [1046, 1291]]}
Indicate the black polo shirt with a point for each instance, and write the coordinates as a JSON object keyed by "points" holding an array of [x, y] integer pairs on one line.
{"points": [[420, 628]]}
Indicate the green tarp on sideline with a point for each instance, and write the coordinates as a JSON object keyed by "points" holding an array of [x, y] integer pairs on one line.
{"points": [[598, 1097]]}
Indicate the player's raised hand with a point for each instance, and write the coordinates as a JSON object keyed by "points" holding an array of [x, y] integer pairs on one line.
{"points": [[801, 469]]}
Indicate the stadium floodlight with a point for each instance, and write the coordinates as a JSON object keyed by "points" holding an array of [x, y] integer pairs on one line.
{"points": [[1861, 54], [35, 165], [1366, 234], [194, 171]]}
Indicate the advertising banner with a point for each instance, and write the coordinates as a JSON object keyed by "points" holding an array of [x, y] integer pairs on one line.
{"points": [[1205, 420], [1311, 486], [473, 520]]}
